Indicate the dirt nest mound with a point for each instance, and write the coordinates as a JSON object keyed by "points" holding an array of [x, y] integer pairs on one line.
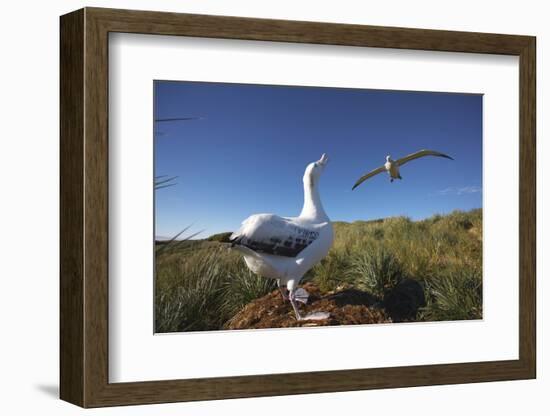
{"points": [[346, 307]]}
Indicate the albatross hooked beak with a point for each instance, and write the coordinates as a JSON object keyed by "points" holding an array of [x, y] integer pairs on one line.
{"points": [[323, 161]]}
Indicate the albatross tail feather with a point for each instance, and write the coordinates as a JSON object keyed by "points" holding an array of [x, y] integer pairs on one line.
{"points": [[245, 250], [257, 263], [251, 253]]}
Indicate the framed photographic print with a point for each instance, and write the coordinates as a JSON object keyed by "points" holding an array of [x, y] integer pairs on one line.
{"points": [[255, 207]]}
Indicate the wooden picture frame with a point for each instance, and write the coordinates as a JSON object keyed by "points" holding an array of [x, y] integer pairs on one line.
{"points": [[84, 207]]}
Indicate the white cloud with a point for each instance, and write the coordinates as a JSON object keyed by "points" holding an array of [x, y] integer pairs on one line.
{"points": [[459, 190]]}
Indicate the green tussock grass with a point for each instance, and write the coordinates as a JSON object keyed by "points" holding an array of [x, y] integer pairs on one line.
{"points": [[200, 285]]}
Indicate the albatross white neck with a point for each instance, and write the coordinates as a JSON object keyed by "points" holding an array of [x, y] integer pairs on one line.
{"points": [[313, 208]]}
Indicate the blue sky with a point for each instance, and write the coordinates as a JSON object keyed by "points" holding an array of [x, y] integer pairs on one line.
{"points": [[248, 152]]}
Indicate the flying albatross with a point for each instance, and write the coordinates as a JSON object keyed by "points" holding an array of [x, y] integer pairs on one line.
{"points": [[285, 248], [392, 166]]}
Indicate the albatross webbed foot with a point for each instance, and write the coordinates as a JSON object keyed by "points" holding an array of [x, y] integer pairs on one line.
{"points": [[301, 295]]}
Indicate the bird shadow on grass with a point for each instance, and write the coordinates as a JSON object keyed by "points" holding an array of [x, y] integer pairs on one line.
{"points": [[51, 390]]}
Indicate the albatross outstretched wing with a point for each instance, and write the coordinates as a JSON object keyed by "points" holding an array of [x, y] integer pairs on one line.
{"points": [[368, 175], [271, 234], [420, 153]]}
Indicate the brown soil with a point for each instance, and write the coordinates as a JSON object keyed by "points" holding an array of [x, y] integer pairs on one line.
{"points": [[346, 307]]}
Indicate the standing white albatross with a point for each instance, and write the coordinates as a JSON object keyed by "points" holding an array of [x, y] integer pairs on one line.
{"points": [[392, 166], [285, 248]]}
